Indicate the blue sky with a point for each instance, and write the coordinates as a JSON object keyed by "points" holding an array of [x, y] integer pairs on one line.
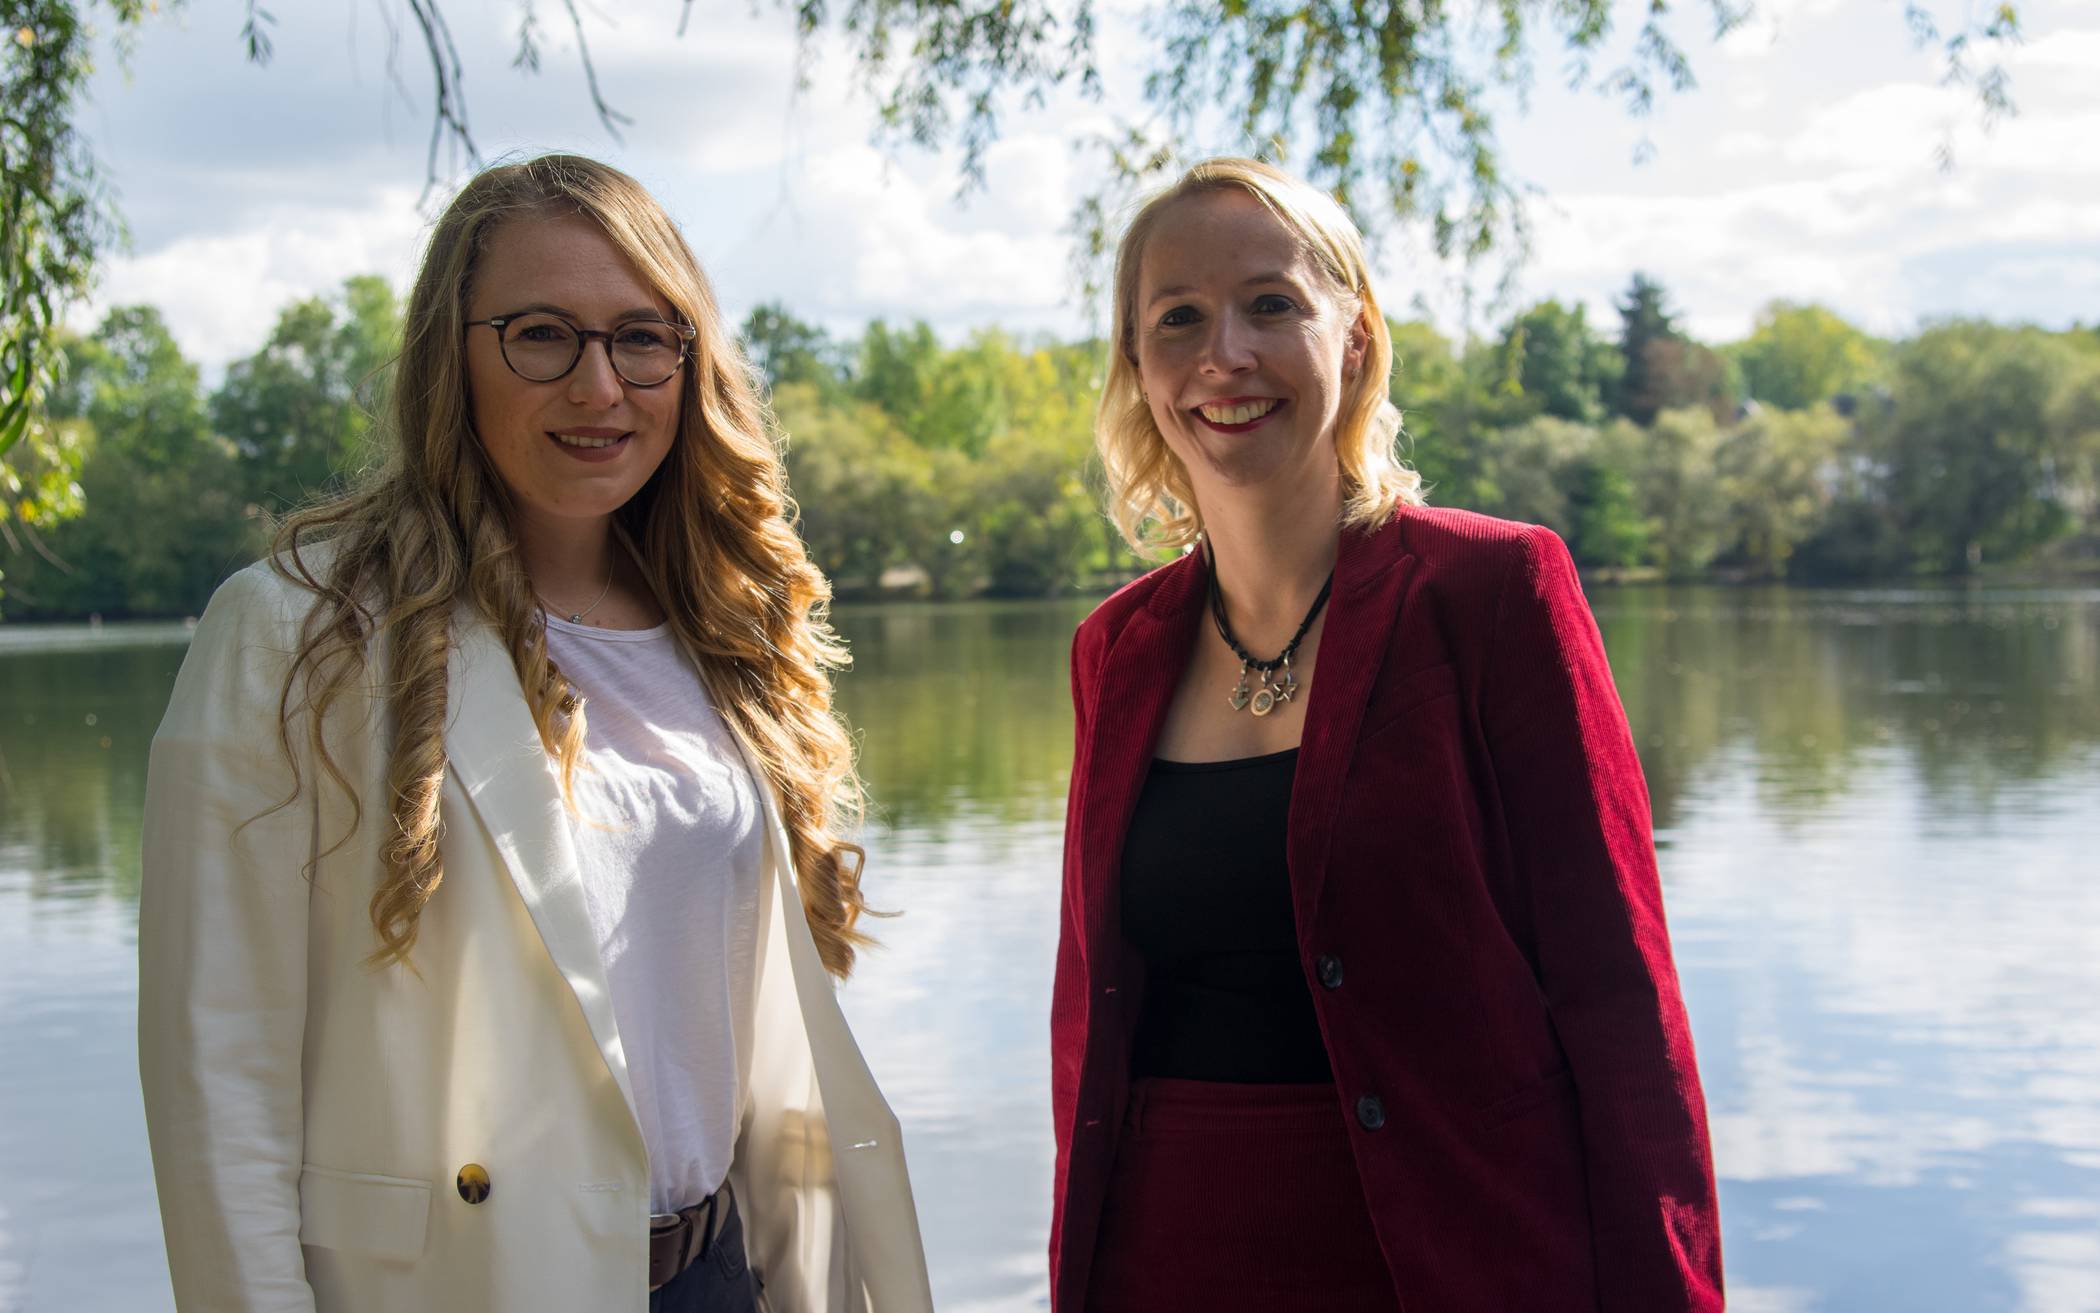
{"points": [[1803, 166]]}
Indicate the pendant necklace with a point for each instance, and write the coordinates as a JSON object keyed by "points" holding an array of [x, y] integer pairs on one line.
{"points": [[576, 617], [1278, 684]]}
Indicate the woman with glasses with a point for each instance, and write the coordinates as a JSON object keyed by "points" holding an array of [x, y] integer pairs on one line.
{"points": [[495, 885], [1364, 1000]]}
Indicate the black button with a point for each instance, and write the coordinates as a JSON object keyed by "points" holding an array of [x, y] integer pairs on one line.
{"points": [[1330, 968], [473, 1183], [1370, 1112]]}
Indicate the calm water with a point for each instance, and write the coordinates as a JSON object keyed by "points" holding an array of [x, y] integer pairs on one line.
{"points": [[1879, 841]]}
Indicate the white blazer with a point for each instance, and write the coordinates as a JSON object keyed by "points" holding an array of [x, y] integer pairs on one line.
{"points": [[309, 1115]]}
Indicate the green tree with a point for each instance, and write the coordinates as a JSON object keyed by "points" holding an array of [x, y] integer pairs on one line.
{"points": [[55, 223], [786, 350], [2073, 418], [1670, 466], [1523, 471], [855, 477], [1558, 366], [1799, 355], [1647, 329], [895, 369], [1605, 524], [1034, 515], [164, 519], [300, 410], [1662, 368], [1974, 465], [1440, 404], [1777, 474], [1386, 106]]}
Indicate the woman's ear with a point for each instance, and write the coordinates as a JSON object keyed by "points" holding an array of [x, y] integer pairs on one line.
{"points": [[1356, 348]]}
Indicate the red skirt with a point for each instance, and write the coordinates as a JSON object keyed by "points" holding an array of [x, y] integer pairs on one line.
{"points": [[1233, 1197]]}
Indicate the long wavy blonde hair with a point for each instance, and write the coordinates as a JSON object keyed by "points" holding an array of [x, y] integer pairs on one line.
{"points": [[712, 529], [1150, 498]]}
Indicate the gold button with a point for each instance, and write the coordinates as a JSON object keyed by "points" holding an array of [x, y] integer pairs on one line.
{"points": [[473, 1183]]}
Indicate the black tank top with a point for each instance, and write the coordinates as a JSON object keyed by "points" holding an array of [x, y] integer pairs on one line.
{"points": [[1206, 901]]}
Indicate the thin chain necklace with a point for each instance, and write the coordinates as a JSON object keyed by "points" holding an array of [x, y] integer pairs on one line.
{"points": [[576, 617], [1278, 684]]}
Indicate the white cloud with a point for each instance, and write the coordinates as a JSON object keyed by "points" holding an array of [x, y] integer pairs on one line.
{"points": [[2058, 1271], [1772, 22], [2076, 49], [220, 292], [1797, 177]]}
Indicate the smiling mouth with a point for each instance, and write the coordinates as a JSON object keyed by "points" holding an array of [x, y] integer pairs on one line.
{"points": [[578, 440], [1237, 414]]}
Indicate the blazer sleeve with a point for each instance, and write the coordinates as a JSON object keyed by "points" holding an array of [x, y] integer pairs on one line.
{"points": [[1577, 810], [222, 964]]}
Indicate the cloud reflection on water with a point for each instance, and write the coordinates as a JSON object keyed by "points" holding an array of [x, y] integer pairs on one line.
{"points": [[1878, 832]]}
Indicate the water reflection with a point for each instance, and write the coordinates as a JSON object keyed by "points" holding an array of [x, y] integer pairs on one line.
{"points": [[962, 710], [1878, 832]]}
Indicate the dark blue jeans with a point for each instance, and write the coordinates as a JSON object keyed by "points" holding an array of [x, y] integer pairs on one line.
{"points": [[719, 1281]]}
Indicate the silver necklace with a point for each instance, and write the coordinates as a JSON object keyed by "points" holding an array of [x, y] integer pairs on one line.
{"points": [[1278, 684], [576, 617]]}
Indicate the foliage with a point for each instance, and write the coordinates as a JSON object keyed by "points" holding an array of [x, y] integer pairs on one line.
{"points": [[953, 469], [1661, 368], [168, 519], [1604, 525], [1674, 463], [965, 466], [1800, 355], [2073, 416], [54, 225], [860, 484], [1384, 104], [1776, 480], [784, 349], [1551, 359], [1975, 457], [300, 410], [1646, 328]]}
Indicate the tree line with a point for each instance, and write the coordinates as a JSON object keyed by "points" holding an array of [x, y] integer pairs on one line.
{"points": [[1807, 451]]}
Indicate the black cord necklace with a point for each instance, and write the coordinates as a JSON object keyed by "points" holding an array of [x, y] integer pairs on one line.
{"points": [[1277, 681]]}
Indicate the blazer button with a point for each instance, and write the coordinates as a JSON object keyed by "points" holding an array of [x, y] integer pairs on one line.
{"points": [[1370, 1112], [1330, 968], [473, 1183]]}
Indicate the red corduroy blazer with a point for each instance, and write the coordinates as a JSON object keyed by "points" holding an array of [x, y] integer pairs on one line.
{"points": [[1469, 839]]}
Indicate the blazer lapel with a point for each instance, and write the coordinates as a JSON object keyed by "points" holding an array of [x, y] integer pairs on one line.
{"points": [[1371, 571], [496, 756], [1131, 694]]}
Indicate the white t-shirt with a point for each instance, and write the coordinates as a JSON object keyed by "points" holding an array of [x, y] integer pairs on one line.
{"points": [[670, 836]]}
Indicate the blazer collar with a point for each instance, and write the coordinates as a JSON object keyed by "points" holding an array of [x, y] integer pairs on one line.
{"points": [[495, 754], [1371, 571], [1139, 674]]}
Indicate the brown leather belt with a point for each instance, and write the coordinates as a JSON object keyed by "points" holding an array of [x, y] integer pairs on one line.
{"points": [[678, 1240]]}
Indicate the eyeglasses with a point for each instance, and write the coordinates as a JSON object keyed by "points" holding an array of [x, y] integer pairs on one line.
{"points": [[541, 347]]}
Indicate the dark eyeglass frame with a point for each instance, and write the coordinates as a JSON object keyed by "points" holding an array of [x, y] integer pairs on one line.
{"points": [[685, 333]]}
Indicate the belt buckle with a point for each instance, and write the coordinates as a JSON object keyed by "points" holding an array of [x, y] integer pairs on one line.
{"points": [[679, 1230]]}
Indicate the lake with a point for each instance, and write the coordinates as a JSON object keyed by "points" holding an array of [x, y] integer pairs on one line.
{"points": [[1876, 813]]}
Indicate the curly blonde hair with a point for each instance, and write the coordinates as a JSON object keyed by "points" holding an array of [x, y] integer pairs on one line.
{"points": [[1150, 498], [712, 528]]}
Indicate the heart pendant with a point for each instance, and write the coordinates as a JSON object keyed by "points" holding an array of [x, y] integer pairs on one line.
{"points": [[1239, 698]]}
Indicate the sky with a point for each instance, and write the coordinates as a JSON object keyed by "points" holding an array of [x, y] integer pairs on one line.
{"points": [[1804, 166]]}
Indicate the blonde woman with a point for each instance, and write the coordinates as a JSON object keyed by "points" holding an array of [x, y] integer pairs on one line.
{"points": [[494, 885], [1364, 999]]}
